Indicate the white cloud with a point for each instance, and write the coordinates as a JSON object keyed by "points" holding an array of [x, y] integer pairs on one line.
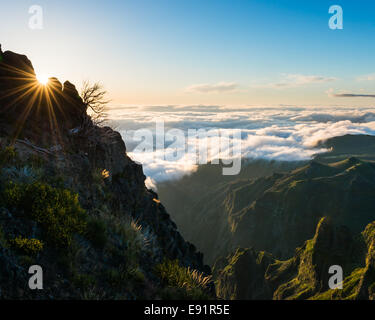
{"points": [[281, 133], [221, 87], [296, 80], [368, 77]]}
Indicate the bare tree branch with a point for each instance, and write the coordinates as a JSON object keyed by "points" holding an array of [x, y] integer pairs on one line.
{"points": [[94, 97]]}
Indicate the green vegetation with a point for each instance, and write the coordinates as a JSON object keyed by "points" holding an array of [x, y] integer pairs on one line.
{"points": [[96, 232], [369, 233], [98, 175], [349, 290], [56, 210], [190, 283], [8, 155], [131, 238], [3, 241], [122, 276], [83, 281], [28, 246]]}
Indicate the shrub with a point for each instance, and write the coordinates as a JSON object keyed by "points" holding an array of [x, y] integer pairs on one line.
{"points": [[8, 155], [118, 277], [12, 195], [57, 210], [130, 235], [83, 281], [97, 176], [176, 276], [96, 232], [124, 278], [26, 261], [3, 241], [28, 246]]}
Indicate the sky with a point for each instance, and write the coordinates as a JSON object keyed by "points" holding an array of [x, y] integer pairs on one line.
{"points": [[190, 52]]}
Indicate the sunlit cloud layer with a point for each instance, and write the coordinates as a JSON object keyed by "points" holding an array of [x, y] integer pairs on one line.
{"points": [[280, 133]]}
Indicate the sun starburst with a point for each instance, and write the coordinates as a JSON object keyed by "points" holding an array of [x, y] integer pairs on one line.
{"points": [[43, 79]]}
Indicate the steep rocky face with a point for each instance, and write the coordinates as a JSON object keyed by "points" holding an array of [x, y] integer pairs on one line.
{"points": [[117, 230], [305, 275]]}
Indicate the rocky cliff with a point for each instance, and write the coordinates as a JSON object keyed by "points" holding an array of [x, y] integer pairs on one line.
{"points": [[73, 202]]}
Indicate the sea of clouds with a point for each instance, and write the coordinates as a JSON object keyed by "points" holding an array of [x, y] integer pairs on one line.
{"points": [[280, 133]]}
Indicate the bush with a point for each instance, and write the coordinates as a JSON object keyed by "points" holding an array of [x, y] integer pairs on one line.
{"points": [[83, 281], [12, 195], [57, 210], [117, 278], [8, 155], [185, 280], [129, 233], [124, 278], [98, 176], [3, 241], [28, 246], [96, 232]]}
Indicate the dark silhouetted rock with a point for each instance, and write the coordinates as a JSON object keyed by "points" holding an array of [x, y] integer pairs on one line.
{"points": [[26, 103]]}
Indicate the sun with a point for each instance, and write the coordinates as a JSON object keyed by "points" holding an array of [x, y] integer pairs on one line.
{"points": [[42, 78]]}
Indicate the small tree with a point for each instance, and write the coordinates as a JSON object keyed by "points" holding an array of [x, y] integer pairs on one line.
{"points": [[94, 97]]}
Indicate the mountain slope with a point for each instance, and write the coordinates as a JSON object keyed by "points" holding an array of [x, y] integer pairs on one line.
{"points": [[277, 212], [73, 202], [305, 275], [286, 214], [205, 204], [361, 146]]}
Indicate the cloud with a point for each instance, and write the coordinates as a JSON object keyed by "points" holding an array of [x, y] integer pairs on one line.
{"points": [[368, 77], [296, 80], [280, 133], [353, 95], [221, 87]]}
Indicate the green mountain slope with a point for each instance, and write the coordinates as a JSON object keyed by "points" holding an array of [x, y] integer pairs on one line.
{"points": [[205, 205], [276, 212], [248, 274]]}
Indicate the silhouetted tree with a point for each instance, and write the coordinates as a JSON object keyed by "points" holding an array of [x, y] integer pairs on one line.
{"points": [[94, 97]]}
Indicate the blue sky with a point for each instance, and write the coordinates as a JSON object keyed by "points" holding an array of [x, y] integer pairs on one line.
{"points": [[202, 52]]}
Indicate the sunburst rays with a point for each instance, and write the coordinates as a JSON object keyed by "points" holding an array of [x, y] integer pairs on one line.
{"points": [[36, 97]]}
